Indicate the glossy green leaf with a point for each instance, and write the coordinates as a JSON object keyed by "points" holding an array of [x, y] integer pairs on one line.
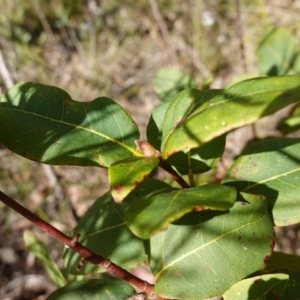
{"points": [[271, 168], [201, 159], [41, 252], [94, 289], [103, 230], [44, 124], [239, 105], [155, 212], [125, 175], [278, 53], [168, 82], [203, 254], [263, 287], [154, 127], [183, 105]]}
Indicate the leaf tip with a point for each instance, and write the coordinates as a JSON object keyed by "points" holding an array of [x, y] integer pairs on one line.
{"points": [[116, 191]]}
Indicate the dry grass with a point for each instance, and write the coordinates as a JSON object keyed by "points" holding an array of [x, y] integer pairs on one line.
{"points": [[104, 48]]}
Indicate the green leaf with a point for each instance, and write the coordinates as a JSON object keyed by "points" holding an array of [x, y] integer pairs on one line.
{"points": [[278, 53], [280, 260], [290, 265], [154, 127], [44, 124], [39, 249], [270, 286], [183, 105], [168, 82], [271, 168], [242, 77], [103, 230], [203, 254], [94, 289], [155, 212], [292, 290], [199, 160], [126, 174], [239, 105]]}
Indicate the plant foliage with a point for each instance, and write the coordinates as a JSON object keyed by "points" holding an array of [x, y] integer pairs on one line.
{"points": [[199, 241]]}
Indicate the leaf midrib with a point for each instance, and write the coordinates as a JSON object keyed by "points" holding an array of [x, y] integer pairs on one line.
{"points": [[205, 245], [135, 152], [102, 230], [271, 178], [188, 118]]}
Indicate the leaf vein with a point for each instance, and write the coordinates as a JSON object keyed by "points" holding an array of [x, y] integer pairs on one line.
{"points": [[207, 244], [103, 230], [271, 178], [122, 144]]}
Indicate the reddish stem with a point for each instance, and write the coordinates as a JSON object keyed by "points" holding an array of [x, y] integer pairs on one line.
{"points": [[73, 244], [166, 166]]}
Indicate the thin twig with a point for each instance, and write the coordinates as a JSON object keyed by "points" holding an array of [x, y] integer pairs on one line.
{"points": [[197, 46], [40, 14], [74, 245], [164, 30], [240, 35], [4, 73]]}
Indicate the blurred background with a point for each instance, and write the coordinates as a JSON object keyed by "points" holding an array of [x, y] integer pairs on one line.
{"points": [[128, 51]]}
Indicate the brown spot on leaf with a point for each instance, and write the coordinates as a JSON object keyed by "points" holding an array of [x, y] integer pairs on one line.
{"points": [[234, 171], [118, 189], [273, 241], [67, 101]]}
